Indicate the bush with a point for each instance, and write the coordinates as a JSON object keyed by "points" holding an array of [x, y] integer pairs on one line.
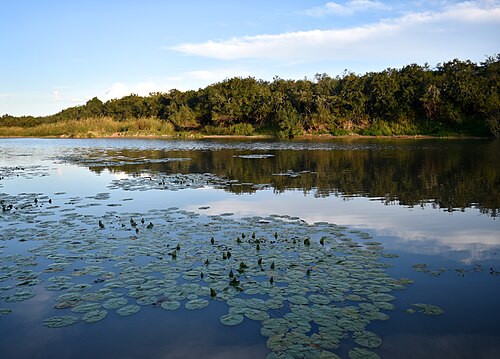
{"points": [[240, 129]]}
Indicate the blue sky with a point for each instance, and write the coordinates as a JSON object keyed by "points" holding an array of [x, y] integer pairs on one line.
{"points": [[57, 54]]}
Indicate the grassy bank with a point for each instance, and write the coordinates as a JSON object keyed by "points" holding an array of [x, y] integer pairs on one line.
{"points": [[154, 127], [93, 127]]}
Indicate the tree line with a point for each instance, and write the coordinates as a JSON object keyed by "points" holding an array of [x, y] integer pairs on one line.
{"points": [[454, 97]]}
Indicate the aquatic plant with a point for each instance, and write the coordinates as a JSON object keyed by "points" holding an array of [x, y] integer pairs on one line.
{"points": [[307, 273]]}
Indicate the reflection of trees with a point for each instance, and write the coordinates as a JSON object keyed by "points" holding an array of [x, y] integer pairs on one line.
{"points": [[451, 175]]}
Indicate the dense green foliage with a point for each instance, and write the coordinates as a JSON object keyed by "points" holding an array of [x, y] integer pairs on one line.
{"points": [[455, 97]]}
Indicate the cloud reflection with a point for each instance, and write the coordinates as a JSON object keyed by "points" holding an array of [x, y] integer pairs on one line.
{"points": [[420, 231]]}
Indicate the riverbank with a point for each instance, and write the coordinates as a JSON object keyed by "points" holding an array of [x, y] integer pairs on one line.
{"points": [[151, 127], [308, 137]]}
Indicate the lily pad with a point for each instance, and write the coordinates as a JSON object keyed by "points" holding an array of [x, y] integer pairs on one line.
{"points": [[170, 305], [231, 319], [428, 309], [196, 304], [20, 296], [115, 303], [128, 310], [255, 314], [367, 339], [319, 299], [86, 307], [60, 321], [94, 316], [147, 300]]}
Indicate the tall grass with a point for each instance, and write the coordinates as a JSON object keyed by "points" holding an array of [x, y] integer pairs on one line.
{"points": [[94, 127], [240, 129]]}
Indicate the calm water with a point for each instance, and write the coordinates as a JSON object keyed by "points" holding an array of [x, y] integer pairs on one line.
{"points": [[432, 202]]}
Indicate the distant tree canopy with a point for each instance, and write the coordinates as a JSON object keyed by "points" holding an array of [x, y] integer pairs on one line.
{"points": [[458, 95]]}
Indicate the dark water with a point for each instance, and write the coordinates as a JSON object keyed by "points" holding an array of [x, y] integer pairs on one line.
{"points": [[429, 201]]}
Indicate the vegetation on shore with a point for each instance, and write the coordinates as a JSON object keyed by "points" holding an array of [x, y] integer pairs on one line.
{"points": [[455, 98]]}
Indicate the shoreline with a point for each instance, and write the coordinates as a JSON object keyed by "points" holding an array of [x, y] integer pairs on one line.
{"points": [[192, 136]]}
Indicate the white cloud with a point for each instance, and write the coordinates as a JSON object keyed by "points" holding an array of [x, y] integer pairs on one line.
{"points": [[6, 95], [56, 96], [349, 8], [216, 75], [467, 27], [119, 89], [66, 96], [184, 81]]}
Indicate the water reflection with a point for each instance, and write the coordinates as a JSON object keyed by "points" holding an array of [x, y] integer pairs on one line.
{"points": [[463, 236], [453, 175]]}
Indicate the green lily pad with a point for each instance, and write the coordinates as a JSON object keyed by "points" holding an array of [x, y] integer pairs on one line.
{"points": [[428, 309], [60, 321], [170, 305], [367, 339], [94, 316], [115, 303], [298, 299], [20, 296], [196, 304], [231, 319], [319, 299], [128, 310], [86, 307], [147, 300], [255, 314]]}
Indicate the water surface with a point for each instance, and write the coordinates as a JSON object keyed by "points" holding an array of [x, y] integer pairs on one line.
{"points": [[432, 202]]}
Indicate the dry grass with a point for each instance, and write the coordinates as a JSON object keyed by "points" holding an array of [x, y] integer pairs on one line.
{"points": [[94, 127]]}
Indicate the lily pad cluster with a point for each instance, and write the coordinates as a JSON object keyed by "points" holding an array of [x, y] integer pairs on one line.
{"points": [[254, 156], [176, 181], [26, 172], [112, 158], [293, 174], [313, 287], [425, 268], [427, 309]]}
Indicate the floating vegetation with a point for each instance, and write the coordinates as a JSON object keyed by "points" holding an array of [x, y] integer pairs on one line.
{"points": [[311, 286], [103, 159], [427, 309], [94, 316], [60, 321], [177, 181], [86, 307], [231, 319], [128, 310], [424, 268], [367, 339], [4, 311], [196, 304], [20, 296], [293, 174], [115, 303], [26, 172], [170, 305], [254, 156]]}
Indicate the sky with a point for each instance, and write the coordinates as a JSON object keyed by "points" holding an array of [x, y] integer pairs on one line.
{"points": [[56, 54]]}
